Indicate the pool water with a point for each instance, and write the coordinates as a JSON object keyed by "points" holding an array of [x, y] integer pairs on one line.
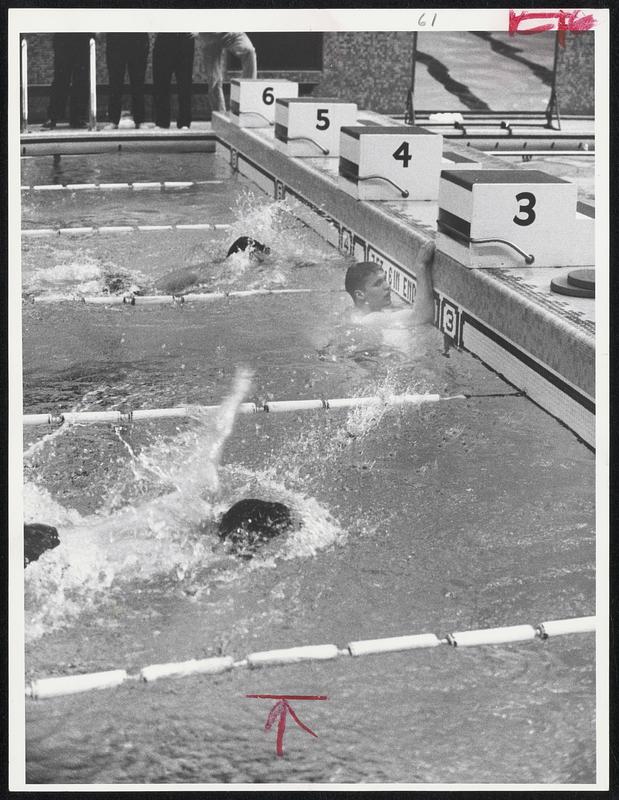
{"points": [[448, 516]]}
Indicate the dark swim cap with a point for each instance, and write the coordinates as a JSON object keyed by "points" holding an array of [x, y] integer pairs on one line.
{"points": [[251, 522], [243, 242]]}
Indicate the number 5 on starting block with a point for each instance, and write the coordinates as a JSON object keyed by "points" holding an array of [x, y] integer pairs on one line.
{"points": [[252, 101], [512, 218], [310, 126]]}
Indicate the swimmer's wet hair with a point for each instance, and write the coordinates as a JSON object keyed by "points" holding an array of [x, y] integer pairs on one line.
{"points": [[357, 275], [243, 242]]}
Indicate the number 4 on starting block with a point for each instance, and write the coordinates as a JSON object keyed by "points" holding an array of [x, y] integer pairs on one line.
{"points": [[252, 101], [512, 218]]}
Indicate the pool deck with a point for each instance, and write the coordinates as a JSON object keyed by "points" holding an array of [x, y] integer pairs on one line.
{"points": [[539, 341]]}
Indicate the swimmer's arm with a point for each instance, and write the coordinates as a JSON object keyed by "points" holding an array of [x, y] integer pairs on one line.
{"points": [[423, 307]]}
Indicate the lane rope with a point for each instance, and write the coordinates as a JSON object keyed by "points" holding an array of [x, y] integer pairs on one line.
{"points": [[131, 299], [43, 688], [137, 185], [83, 231], [126, 417], [272, 406]]}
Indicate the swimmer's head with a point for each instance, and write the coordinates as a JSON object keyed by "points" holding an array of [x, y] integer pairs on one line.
{"points": [[255, 248], [251, 522], [367, 285]]}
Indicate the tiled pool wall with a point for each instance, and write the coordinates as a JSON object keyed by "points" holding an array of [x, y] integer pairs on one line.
{"points": [[535, 343]]}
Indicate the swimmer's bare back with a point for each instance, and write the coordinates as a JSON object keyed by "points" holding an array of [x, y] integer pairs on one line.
{"points": [[181, 280]]}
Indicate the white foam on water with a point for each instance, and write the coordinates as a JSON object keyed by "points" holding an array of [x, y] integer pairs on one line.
{"points": [[81, 275], [272, 223]]}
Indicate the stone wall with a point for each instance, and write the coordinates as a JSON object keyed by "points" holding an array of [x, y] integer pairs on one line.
{"points": [[575, 74]]}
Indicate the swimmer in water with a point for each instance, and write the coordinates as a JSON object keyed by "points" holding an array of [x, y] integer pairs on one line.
{"points": [[183, 280], [367, 284], [257, 250], [245, 527], [376, 323]]}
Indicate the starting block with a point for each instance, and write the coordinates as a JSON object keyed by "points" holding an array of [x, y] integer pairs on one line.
{"points": [[252, 100], [512, 218], [387, 162], [310, 126]]}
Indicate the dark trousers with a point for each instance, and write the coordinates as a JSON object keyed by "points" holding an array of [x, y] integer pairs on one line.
{"points": [[71, 69], [172, 53], [126, 52]]}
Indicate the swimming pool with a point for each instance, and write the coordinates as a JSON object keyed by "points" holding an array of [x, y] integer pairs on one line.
{"points": [[452, 516]]}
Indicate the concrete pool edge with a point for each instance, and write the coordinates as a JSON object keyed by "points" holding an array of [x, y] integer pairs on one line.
{"points": [[537, 345]]}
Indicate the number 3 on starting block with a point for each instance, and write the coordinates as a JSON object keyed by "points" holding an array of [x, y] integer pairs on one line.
{"points": [[252, 101], [512, 218]]}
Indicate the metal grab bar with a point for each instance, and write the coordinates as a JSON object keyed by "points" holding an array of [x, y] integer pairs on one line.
{"points": [[403, 192], [443, 227], [307, 139], [258, 114]]}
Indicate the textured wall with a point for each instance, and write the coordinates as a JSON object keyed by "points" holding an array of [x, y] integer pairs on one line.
{"points": [[575, 78], [371, 69]]}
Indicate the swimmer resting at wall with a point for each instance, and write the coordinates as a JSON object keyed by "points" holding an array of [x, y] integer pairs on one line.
{"points": [[367, 284], [245, 526], [181, 280]]}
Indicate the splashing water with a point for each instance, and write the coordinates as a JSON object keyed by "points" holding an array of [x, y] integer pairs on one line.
{"points": [[274, 224], [139, 541], [176, 496], [87, 276]]}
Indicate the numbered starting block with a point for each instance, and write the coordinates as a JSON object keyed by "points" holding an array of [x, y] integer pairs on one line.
{"points": [[512, 218], [252, 101], [387, 162], [310, 126]]}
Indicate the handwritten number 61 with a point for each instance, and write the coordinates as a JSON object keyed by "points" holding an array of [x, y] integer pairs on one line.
{"points": [[527, 201]]}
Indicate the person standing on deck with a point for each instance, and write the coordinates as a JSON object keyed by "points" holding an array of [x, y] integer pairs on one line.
{"points": [[126, 52], [173, 53], [215, 45], [71, 71]]}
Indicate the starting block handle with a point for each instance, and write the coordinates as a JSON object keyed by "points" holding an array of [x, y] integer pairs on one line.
{"points": [[443, 227], [258, 114], [403, 192], [325, 150]]}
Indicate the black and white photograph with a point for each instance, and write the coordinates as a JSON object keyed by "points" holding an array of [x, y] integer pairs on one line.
{"points": [[307, 477]]}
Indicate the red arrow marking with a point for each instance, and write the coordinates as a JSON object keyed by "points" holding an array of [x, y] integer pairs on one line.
{"points": [[279, 711]]}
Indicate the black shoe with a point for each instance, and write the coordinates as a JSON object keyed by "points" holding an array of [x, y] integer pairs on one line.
{"points": [[80, 125], [49, 125]]}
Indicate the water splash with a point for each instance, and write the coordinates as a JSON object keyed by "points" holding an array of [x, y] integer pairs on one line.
{"points": [[74, 277], [273, 223], [160, 534]]}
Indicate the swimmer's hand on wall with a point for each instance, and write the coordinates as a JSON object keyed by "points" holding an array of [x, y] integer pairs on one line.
{"points": [[423, 307]]}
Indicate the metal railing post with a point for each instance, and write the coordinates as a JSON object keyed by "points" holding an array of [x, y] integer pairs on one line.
{"points": [[24, 85], [92, 115]]}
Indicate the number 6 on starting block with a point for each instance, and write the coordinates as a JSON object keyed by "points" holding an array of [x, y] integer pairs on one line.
{"points": [[512, 218], [310, 126], [252, 100]]}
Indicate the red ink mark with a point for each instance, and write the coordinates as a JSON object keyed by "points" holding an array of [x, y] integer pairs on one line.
{"points": [[560, 21], [280, 710]]}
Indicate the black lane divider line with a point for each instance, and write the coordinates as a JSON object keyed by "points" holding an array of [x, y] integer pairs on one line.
{"points": [[510, 51], [440, 73]]}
